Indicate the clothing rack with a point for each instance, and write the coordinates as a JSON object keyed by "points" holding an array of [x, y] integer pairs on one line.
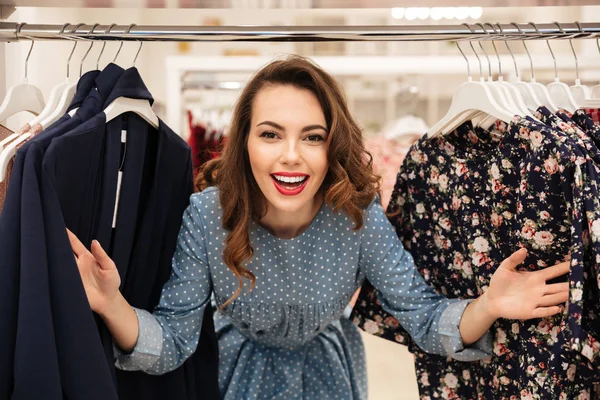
{"points": [[10, 32]]}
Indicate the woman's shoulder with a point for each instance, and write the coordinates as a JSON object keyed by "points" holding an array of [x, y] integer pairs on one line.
{"points": [[207, 201]]}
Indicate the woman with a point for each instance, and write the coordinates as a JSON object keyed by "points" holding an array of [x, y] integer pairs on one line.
{"points": [[286, 228]]}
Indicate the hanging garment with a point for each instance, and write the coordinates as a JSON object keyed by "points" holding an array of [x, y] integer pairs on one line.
{"points": [[205, 142], [140, 231], [10, 248], [286, 339], [496, 197], [388, 155]]}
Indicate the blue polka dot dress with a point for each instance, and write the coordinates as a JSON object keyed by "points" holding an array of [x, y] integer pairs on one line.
{"points": [[287, 338]]}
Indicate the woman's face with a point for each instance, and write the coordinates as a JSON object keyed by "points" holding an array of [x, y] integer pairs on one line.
{"points": [[287, 147]]}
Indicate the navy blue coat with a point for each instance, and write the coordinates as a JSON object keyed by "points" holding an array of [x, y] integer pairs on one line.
{"points": [[155, 191], [15, 242]]}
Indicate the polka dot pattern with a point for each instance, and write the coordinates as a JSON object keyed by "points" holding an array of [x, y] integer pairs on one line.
{"points": [[286, 339]]}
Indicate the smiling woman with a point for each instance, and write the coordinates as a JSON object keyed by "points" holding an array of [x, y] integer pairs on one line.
{"points": [[290, 213], [291, 120]]}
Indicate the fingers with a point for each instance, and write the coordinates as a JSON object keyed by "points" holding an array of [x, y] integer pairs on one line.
{"points": [[557, 288], [556, 270], [543, 312], [78, 247], [516, 259], [100, 255], [554, 299]]}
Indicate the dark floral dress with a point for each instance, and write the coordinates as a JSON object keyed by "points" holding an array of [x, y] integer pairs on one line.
{"points": [[463, 203]]}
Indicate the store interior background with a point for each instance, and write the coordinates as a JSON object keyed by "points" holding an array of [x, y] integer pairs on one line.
{"points": [[420, 76]]}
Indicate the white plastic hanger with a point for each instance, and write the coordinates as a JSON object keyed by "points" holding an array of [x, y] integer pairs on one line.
{"points": [[513, 91], [469, 99], [528, 95], [541, 92], [581, 93], [55, 94], [123, 105], [69, 92], [559, 91], [24, 96], [504, 97]]}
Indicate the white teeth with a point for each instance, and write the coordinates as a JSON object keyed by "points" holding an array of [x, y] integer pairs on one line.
{"points": [[290, 179]]}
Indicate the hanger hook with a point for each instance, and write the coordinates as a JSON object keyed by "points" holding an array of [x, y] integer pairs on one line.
{"points": [[495, 48], [74, 30], [30, 48], [485, 52], [103, 46], [62, 31], [138, 52], [473, 48], [527, 51], [575, 54], [466, 60], [88, 50], [549, 47], [121, 45], [517, 73]]}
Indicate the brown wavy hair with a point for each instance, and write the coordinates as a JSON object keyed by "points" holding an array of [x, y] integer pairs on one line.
{"points": [[349, 185]]}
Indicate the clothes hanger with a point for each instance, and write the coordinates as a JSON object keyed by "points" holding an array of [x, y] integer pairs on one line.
{"points": [[69, 92], [24, 96], [581, 93], [529, 97], [496, 91], [541, 92], [123, 105], [559, 91], [469, 99], [500, 93], [55, 94], [514, 93]]}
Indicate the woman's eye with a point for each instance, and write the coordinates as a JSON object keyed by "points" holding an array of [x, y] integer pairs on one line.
{"points": [[315, 138], [268, 135]]}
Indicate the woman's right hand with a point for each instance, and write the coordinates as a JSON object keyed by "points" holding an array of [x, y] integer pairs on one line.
{"points": [[99, 274]]}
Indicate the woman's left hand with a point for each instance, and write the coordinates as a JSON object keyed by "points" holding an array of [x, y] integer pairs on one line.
{"points": [[524, 295]]}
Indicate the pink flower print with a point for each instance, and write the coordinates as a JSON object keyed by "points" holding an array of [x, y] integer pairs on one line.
{"points": [[576, 294], [551, 165], [571, 372], [496, 220], [595, 230], [495, 171], [524, 133], [531, 370], [479, 259], [543, 327], [451, 380], [515, 328], [461, 169], [543, 238], [523, 186], [473, 138], [481, 244], [527, 232], [466, 375], [445, 223], [526, 395], [435, 174], [425, 379], [455, 202], [466, 267], [443, 180], [370, 327], [496, 185], [500, 336], [536, 138], [505, 380], [585, 395], [545, 215], [391, 322]]}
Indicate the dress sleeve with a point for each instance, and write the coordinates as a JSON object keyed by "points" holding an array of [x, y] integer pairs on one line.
{"points": [[431, 319], [169, 335]]}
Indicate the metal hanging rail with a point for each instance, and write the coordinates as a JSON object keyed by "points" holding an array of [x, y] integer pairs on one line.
{"points": [[10, 31]]}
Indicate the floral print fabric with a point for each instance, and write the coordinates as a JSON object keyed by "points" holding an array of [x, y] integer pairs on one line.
{"points": [[465, 202]]}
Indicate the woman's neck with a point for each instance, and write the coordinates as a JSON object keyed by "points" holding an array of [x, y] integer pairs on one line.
{"points": [[287, 225]]}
